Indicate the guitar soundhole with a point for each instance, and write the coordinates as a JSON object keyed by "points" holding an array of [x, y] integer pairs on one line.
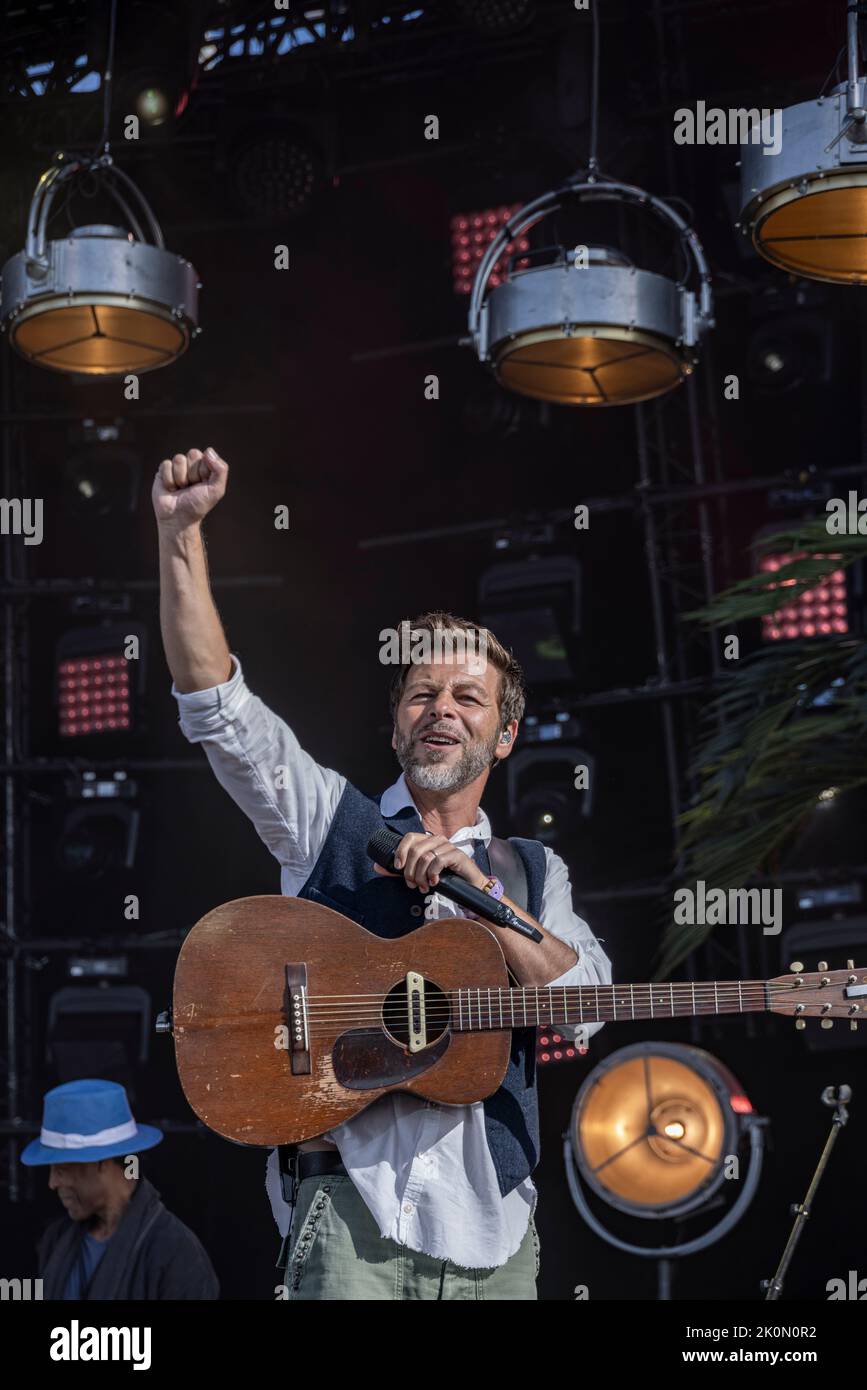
{"points": [[436, 1007]]}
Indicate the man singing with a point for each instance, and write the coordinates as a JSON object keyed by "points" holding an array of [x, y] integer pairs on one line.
{"points": [[408, 1199]]}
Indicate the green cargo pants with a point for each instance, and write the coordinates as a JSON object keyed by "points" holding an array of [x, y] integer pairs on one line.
{"points": [[336, 1252]]}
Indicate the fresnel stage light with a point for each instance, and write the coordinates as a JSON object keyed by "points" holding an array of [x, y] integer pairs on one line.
{"points": [[805, 208], [101, 301], [653, 1125], [654, 1130], [589, 327]]}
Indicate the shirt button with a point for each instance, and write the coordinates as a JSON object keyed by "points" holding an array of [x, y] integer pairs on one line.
{"points": [[407, 1206], [415, 910]]}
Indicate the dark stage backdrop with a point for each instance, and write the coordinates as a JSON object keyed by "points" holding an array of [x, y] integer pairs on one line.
{"points": [[355, 450]]}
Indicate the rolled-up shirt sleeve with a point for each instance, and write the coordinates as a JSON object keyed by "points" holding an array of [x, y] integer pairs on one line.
{"points": [[558, 917], [254, 754]]}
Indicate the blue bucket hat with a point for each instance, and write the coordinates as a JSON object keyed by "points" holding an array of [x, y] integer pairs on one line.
{"points": [[84, 1121]]}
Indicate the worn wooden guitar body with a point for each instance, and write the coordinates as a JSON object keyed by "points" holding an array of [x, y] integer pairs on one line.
{"points": [[289, 1018]]}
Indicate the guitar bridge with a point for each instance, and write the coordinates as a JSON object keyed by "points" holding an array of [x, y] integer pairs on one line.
{"points": [[298, 1019], [415, 1017]]}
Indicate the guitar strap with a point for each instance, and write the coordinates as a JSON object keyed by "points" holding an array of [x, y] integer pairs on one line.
{"points": [[508, 866]]}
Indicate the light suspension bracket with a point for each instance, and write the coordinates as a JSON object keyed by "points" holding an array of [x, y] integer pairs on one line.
{"points": [[590, 328], [805, 207], [102, 301]]}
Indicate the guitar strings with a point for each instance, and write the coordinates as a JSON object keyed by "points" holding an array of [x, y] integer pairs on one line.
{"points": [[483, 996], [519, 1017], [515, 1009], [472, 1002], [686, 993]]}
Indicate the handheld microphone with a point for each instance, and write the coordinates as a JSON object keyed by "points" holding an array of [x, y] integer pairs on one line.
{"points": [[381, 847]]}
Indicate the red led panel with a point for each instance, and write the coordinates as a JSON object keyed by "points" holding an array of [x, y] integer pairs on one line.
{"points": [[740, 1104], [819, 612], [472, 234], [94, 695], [544, 1052]]}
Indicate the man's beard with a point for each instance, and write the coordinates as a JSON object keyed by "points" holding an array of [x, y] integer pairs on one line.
{"points": [[476, 757]]}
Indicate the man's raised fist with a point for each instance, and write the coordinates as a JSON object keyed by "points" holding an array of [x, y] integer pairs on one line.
{"points": [[188, 486]]}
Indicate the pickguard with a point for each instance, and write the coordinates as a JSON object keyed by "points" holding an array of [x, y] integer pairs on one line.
{"points": [[363, 1061]]}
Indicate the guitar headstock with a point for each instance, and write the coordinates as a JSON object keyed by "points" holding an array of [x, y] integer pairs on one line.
{"points": [[824, 994]]}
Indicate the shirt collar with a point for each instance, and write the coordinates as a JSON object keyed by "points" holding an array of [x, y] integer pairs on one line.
{"points": [[399, 795]]}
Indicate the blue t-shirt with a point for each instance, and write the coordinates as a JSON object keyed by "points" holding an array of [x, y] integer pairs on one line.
{"points": [[90, 1252]]}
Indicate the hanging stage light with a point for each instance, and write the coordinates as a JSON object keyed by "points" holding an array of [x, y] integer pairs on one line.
{"points": [[589, 327], [102, 301], [805, 208]]}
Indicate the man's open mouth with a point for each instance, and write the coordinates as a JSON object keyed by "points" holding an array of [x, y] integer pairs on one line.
{"points": [[438, 740]]}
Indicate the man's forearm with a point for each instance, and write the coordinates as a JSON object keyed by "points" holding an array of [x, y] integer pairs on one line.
{"points": [[193, 638], [534, 962]]}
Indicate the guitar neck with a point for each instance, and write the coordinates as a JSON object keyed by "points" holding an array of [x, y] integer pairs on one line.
{"points": [[547, 1006]]}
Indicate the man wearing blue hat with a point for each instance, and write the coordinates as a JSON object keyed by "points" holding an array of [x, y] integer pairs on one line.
{"points": [[117, 1240]]}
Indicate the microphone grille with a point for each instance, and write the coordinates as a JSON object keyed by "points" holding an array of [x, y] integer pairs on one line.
{"points": [[382, 845]]}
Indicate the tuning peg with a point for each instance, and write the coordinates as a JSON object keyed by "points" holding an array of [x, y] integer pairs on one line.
{"points": [[796, 967], [827, 1023], [800, 1023], [823, 965], [850, 965], [853, 1025]]}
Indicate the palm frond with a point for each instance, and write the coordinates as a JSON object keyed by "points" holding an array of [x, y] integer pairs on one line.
{"points": [[785, 725]]}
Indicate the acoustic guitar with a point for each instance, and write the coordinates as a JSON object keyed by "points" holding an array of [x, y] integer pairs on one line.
{"points": [[289, 1018]]}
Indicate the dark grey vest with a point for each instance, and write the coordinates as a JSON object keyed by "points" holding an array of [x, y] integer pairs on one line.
{"points": [[344, 879]]}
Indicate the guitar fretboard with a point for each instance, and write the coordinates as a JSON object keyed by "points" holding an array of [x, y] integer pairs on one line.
{"points": [[534, 1006]]}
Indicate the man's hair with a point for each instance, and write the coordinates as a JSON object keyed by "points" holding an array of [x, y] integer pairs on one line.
{"points": [[510, 697]]}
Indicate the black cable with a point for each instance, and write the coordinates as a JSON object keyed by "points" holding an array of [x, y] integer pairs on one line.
{"points": [[835, 69], [102, 145], [594, 98], [107, 80]]}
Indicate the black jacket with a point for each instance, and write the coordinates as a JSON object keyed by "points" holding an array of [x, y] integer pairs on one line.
{"points": [[152, 1255]]}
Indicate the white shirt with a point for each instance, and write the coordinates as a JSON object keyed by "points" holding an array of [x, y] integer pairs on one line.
{"points": [[423, 1170]]}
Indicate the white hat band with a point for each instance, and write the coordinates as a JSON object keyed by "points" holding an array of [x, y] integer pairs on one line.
{"points": [[54, 1140]]}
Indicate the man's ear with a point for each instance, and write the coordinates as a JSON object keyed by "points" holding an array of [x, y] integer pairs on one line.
{"points": [[506, 741], [394, 737]]}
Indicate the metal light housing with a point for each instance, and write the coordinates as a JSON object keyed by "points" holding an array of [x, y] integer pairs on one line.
{"points": [[601, 333], [102, 301], [805, 208], [653, 1125]]}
